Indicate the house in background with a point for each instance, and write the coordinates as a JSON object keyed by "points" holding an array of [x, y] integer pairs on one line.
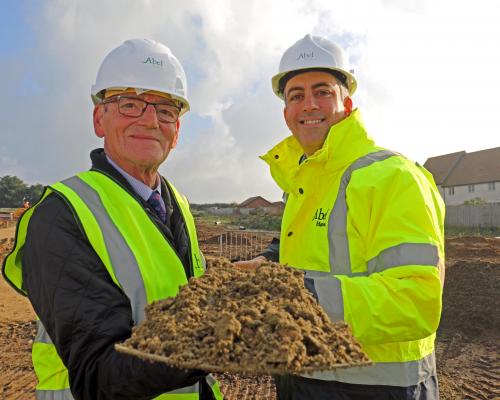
{"points": [[277, 208], [255, 202], [464, 176], [259, 203]]}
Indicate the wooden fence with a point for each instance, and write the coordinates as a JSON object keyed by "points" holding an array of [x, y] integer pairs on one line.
{"points": [[477, 216]]}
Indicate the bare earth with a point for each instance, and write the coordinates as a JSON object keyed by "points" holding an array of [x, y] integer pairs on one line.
{"points": [[467, 346], [7, 233]]}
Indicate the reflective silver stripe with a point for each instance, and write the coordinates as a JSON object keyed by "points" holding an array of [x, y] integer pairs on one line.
{"points": [[41, 334], [340, 262], [122, 259], [210, 380], [329, 292], [392, 373], [64, 394], [404, 254], [188, 389]]}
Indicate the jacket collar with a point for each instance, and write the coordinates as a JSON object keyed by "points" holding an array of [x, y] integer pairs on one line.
{"points": [[346, 141], [100, 163]]}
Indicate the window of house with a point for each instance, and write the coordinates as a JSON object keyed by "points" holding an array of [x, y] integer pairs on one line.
{"points": [[451, 190], [471, 188], [491, 186]]}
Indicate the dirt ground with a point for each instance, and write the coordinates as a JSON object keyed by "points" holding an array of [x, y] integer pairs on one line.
{"points": [[467, 346], [468, 357]]}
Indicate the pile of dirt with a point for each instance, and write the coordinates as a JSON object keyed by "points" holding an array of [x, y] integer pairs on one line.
{"points": [[472, 248], [468, 336], [471, 300], [262, 322]]}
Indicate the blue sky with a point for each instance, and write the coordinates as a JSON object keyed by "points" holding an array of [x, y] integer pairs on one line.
{"points": [[17, 38], [427, 73], [14, 24]]}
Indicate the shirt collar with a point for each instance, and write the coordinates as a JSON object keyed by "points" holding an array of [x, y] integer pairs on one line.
{"points": [[139, 187]]}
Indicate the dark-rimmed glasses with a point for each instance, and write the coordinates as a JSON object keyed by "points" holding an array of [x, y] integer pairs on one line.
{"points": [[135, 107]]}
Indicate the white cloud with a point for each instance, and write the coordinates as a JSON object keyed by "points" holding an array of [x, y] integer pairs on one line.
{"points": [[427, 74]]}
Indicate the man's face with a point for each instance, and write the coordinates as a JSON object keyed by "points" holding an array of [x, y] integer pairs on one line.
{"points": [[141, 143], [313, 103]]}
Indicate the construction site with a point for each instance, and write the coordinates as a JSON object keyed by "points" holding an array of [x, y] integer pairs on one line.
{"points": [[467, 342]]}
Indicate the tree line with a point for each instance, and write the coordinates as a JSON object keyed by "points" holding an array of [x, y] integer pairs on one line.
{"points": [[13, 192]]}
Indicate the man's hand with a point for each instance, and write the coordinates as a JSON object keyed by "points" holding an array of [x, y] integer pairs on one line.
{"points": [[250, 265]]}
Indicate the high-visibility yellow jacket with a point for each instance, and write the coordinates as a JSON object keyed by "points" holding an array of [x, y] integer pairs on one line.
{"points": [[135, 253], [366, 224]]}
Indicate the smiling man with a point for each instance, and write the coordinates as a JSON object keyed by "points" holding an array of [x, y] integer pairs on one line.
{"points": [[101, 245], [366, 226], [315, 101]]}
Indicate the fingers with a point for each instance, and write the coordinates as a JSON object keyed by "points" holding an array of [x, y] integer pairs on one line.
{"points": [[250, 265]]}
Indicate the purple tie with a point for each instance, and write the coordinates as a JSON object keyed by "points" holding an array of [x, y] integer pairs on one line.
{"points": [[156, 202]]}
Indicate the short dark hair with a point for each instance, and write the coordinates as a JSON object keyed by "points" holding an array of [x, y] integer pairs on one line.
{"points": [[285, 78]]}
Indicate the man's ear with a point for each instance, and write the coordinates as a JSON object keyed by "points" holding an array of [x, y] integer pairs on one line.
{"points": [[176, 137], [347, 106], [97, 117]]}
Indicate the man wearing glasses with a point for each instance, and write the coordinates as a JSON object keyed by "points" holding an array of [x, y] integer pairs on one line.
{"points": [[101, 245]]}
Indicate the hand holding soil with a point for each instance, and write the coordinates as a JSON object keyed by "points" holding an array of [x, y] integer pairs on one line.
{"points": [[261, 321], [250, 265]]}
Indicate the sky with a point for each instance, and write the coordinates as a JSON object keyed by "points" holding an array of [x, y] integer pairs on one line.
{"points": [[428, 80]]}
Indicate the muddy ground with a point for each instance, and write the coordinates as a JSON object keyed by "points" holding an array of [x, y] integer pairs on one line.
{"points": [[467, 347]]}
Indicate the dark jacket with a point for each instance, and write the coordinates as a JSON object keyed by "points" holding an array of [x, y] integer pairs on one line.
{"points": [[83, 311]]}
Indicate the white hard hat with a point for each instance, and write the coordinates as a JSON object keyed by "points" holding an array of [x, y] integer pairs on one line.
{"points": [[314, 52], [145, 65]]}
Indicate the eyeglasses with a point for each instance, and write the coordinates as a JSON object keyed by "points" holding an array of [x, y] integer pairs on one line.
{"points": [[135, 107]]}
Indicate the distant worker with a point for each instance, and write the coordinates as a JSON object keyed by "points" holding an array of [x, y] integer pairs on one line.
{"points": [[21, 210], [101, 245], [366, 226]]}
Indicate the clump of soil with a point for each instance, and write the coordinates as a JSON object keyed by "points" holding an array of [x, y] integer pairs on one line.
{"points": [[6, 245], [264, 321]]}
